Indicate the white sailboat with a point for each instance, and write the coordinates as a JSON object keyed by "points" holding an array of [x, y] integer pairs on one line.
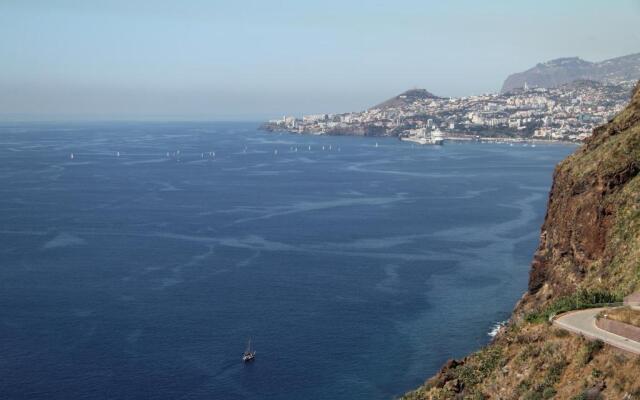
{"points": [[249, 354]]}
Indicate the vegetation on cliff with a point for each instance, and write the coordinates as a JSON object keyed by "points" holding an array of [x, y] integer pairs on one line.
{"points": [[589, 253]]}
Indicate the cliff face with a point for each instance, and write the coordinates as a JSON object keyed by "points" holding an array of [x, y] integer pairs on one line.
{"points": [[589, 247], [564, 70], [592, 215]]}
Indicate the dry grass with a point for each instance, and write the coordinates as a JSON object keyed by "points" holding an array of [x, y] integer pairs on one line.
{"points": [[545, 366], [624, 314]]}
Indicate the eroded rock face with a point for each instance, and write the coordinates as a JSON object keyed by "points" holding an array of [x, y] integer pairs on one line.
{"points": [[445, 375], [574, 231]]}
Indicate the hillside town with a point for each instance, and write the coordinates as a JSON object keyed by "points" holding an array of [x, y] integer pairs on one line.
{"points": [[565, 113]]}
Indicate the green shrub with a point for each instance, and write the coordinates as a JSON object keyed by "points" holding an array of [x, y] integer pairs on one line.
{"points": [[535, 395], [548, 393], [554, 373], [579, 300], [560, 333], [620, 359], [486, 361], [545, 389], [476, 395], [523, 386], [529, 351], [588, 351]]}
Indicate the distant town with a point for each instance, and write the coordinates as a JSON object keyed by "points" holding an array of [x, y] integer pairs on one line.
{"points": [[565, 113]]}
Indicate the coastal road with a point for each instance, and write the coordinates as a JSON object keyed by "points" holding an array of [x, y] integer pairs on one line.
{"points": [[584, 322]]}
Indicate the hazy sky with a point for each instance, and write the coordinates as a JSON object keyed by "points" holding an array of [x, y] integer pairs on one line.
{"points": [[253, 59]]}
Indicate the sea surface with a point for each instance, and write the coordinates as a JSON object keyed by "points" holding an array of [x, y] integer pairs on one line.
{"points": [[139, 267]]}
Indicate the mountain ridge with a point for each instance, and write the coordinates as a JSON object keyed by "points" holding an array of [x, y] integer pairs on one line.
{"points": [[567, 69]]}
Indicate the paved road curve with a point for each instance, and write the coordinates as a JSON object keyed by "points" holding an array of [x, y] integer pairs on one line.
{"points": [[584, 322]]}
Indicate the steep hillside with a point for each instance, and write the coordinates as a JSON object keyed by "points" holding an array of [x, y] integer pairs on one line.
{"points": [[564, 70], [589, 252]]}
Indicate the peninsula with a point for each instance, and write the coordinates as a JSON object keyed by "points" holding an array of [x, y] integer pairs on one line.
{"points": [[564, 99]]}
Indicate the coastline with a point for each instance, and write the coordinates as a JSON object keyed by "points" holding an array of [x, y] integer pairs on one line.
{"points": [[452, 137], [510, 140]]}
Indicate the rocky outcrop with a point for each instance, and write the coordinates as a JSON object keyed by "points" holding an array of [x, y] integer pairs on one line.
{"points": [[564, 70]]}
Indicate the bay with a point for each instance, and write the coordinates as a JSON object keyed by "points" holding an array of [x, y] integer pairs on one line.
{"points": [[139, 267]]}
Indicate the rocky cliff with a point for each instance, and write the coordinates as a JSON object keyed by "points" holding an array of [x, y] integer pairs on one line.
{"points": [[564, 70], [589, 252]]}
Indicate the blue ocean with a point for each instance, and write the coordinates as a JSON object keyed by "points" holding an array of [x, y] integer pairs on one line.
{"points": [[137, 259]]}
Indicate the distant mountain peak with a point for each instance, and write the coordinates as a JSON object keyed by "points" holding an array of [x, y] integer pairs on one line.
{"points": [[407, 97], [568, 69], [565, 62]]}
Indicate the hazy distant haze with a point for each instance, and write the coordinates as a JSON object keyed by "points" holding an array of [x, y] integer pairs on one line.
{"points": [[197, 59]]}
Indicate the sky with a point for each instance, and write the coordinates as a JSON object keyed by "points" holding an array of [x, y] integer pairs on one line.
{"points": [[258, 59]]}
